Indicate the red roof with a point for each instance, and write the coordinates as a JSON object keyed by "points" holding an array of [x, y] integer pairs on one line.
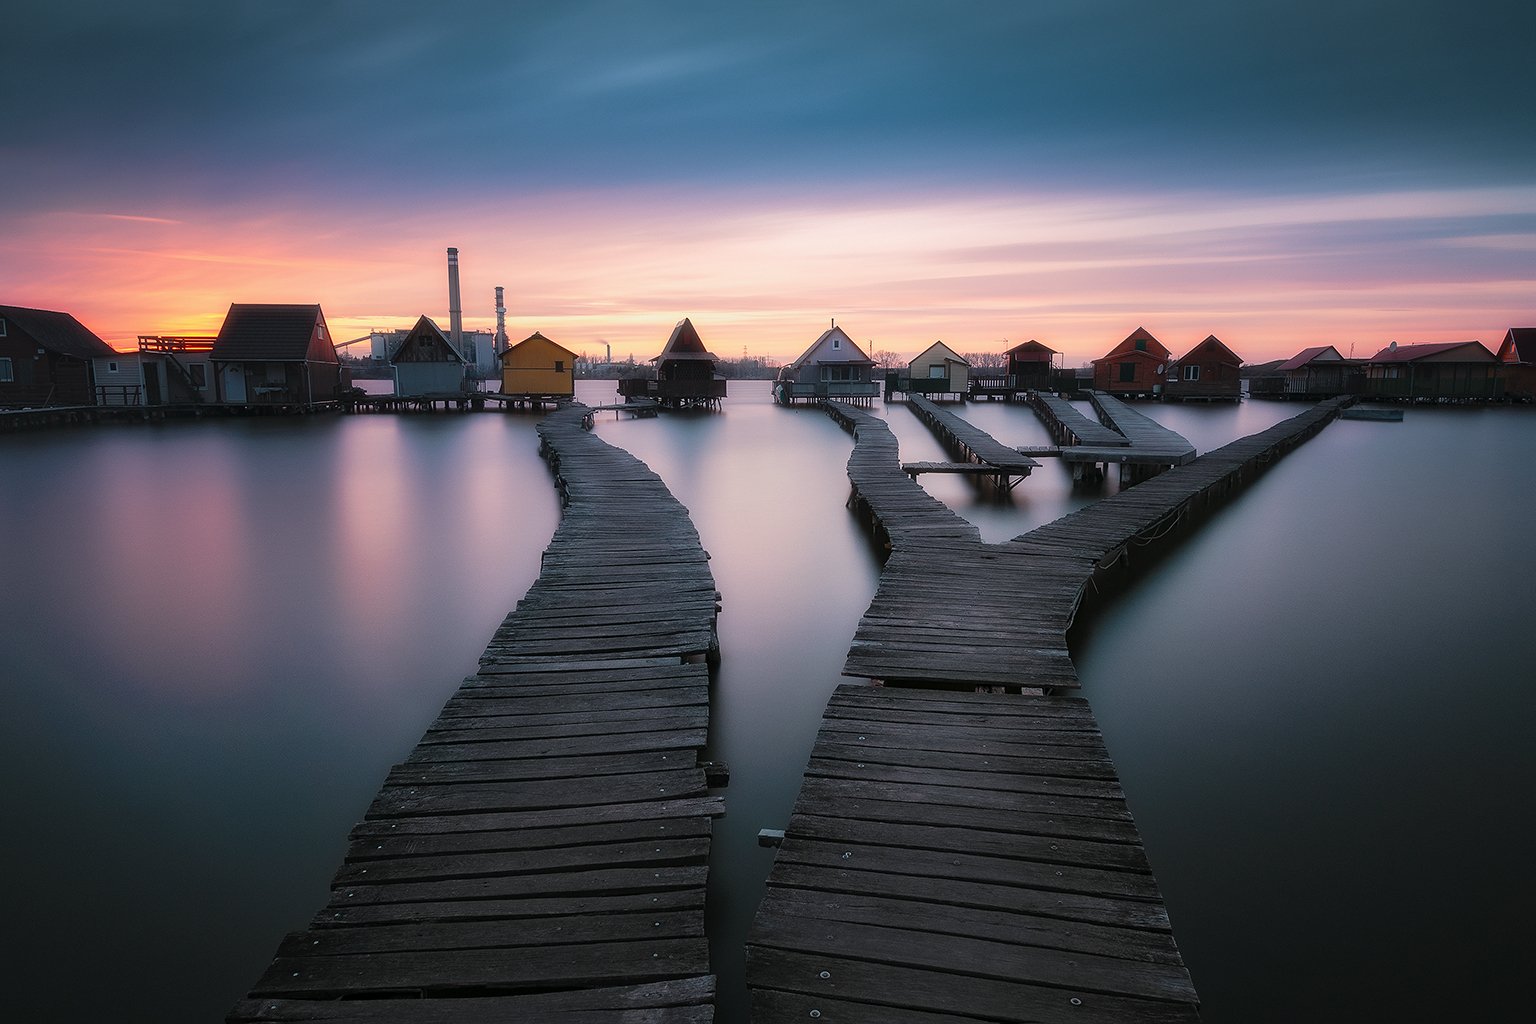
{"points": [[1139, 340], [1029, 346], [1211, 341], [1396, 353], [1306, 355]]}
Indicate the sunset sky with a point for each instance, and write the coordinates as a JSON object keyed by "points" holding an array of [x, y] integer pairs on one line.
{"points": [[1349, 172]]}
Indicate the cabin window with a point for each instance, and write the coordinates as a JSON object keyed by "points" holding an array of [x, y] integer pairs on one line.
{"points": [[559, 365], [2, 326], [1191, 372], [1141, 344], [199, 374], [1127, 372], [936, 372], [6, 376], [111, 366], [837, 342]]}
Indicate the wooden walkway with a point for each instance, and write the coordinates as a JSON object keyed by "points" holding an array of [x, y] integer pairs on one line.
{"points": [[1147, 436], [968, 856], [1069, 426], [541, 854], [976, 443], [962, 857]]}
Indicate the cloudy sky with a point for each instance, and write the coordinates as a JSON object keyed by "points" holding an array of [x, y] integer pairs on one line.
{"points": [[1277, 173]]}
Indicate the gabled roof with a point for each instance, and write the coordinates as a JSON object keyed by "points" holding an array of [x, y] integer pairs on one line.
{"points": [[1029, 347], [834, 346], [1307, 355], [1150, 345], [58, 332], [943, 352], [1211, 342], [426, 343], [1395, 353], [1519, 345], [684, 343], [537, 338], [260, 332]]}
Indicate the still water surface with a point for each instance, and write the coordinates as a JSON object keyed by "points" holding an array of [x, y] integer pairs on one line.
{"points": [[219, 635]]}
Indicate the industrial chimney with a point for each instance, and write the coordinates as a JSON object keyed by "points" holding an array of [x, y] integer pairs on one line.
{"points": [[500, 344], [455, 312]]}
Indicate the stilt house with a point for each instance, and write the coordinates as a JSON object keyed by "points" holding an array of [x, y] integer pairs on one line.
{"points": [[938, 370], [1517, 360], [1029, 366], [1314, 373], [426, 363], [537, 368], [1135, 367], [1209, 372], [46, 358], [276, 355], [1456, 370], [685, 373], [832, 368]]}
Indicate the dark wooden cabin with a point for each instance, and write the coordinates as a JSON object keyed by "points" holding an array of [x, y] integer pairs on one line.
{"points": [[1209, 372], [46, 359], [1310, 375], [1517, 360], [1133, 368], [1446, 371], [276, 355], [426, 363], [685, 374]]}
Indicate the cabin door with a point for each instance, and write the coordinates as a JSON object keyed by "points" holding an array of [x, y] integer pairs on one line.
{"points": [[234, 382], [151, 384]]}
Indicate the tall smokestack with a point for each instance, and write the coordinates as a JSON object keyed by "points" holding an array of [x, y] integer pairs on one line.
{"points": [[455, 313], [501, 321]]}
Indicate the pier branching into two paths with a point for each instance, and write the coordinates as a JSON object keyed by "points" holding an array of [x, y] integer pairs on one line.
{"points": [[964, 855], [541, 854]]}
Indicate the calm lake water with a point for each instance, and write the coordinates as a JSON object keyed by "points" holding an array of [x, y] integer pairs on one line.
{"points": [[219, 635]]}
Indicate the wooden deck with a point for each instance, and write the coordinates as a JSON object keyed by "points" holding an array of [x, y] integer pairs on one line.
{"points": [[1147, 436], [969, 856], [1070, 427], [974, 442], [541, 854], [962, 857]]}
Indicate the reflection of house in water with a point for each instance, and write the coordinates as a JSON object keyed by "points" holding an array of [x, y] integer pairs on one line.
{"points": [[1209, 372], [275, 355], [1455, 370], [1135, 367], [537, 370], [832, 368], [47, 358], [1517, 360], [426, 363], [937, 370], [685, 374]]}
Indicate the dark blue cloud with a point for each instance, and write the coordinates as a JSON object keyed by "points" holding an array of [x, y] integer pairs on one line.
{"points": [[174, 98]]}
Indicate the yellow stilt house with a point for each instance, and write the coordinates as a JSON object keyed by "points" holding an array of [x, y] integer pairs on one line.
{"points": [[536, 368]]}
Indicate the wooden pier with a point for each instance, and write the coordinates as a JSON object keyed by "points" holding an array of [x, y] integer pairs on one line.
{"points": [[541, 854], [969, 856], [1006, 464]]}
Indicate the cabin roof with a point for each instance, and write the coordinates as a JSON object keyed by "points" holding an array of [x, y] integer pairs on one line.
{"points": [[536, 337], [1152, 346], [684, 344], [944, 352], [1306, 356], [1211, 342], [58, 332], [258, 332], [1029, 346], [1519, 342], [846, 351], [424, 330], [1410, 353]]}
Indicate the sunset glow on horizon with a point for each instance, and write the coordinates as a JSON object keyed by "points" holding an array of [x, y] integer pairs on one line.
{"points": [[646, 169]]}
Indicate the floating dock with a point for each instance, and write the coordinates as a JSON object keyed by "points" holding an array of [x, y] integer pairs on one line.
{"points": [[542, 853]]}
